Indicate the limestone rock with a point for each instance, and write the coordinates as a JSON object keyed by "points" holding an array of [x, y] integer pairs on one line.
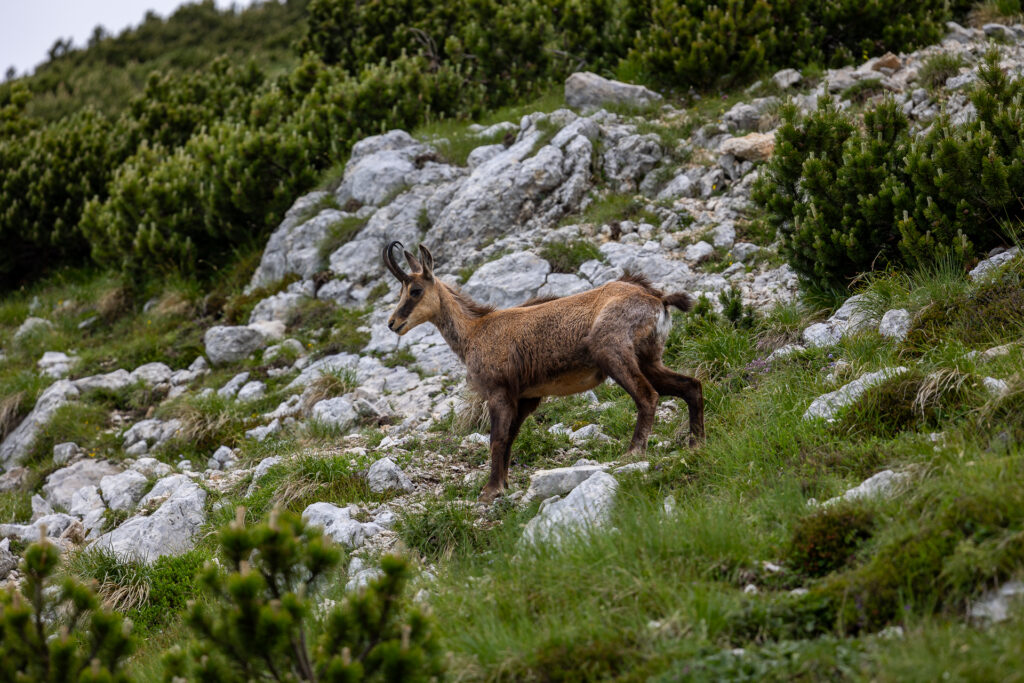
{"points": [[20, 441], [252, 391], [338, 523], [991, 264], [230, 389], [15, 479], [171, 529], [335, 412], [563, 284], [586, 90], [558, 481], [751, 147], [787, 78], [56, 364], [30, 327], [586, 507], [508, 281], [61, 485], [827, 406], [122, 491], [384, 475], [695, 253], [631, 158], [151, 374], [895, 324], [63, 453], [111, 381], [229, 344], [994, 606], [879, 485]]}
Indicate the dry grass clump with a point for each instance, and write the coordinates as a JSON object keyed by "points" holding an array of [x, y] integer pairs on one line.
{"points": [[10, 413], [329, 385]]}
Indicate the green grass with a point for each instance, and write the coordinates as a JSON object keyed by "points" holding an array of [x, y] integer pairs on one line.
{"points": [[611, 208], [938, 68], [339, 233], [567, 257]]}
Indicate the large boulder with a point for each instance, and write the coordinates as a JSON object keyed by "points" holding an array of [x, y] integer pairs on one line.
{"points": [[528, 184], [586, 90], [587, 507], [229, 343], [61, 486], [19, 442], [172, 528], [508, 281]]}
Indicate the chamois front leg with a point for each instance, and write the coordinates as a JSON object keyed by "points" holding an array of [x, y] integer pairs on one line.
{"points": [[524, 407], [503, 412]]}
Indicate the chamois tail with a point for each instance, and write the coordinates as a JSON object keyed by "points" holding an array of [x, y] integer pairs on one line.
{"points": [[684, 302]]}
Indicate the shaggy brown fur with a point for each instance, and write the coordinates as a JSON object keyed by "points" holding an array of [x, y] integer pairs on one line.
{"points": [[516, 356]]}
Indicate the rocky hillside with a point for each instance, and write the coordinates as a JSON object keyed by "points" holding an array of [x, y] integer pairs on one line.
{"points": [[132, 435]]}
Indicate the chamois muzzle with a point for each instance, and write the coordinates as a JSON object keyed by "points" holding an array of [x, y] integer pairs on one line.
{"points": [[389, 261]]}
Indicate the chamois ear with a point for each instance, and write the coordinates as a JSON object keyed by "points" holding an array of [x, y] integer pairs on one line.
{"points": [[428, 262], [414, 263]]}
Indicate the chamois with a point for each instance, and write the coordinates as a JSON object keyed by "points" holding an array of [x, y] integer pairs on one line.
{"points": [[550, 347]]}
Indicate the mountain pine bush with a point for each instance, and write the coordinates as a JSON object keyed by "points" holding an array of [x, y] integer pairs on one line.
{"points": [[58, 633], [846, 200], [257, 622]]}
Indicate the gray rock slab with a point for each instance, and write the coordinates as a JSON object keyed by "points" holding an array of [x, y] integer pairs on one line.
{"points": [[586, 90], [20, 441], [585, 508], [171, 529], [61, 485], [827, 406]]}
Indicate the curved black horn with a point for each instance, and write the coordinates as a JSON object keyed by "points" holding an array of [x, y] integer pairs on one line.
{"points": [[389, 261]]}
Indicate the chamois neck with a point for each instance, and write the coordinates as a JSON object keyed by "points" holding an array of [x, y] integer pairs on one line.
{"points": [[454, 319]]}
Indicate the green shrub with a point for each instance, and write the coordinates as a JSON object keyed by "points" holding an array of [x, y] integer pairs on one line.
{"points": [[826, 540], [567, 257], [88, 644], [938, 68], [846, 201], [259, 611]]}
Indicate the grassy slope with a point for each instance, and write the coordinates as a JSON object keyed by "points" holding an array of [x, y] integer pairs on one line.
{"points": [[659, 594]]}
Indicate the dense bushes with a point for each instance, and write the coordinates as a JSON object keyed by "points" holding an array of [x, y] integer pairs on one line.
{"points": [[847, 200], [207, 160]]}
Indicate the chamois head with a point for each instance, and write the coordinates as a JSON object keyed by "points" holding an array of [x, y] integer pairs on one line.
{"points": [[419, 301]]}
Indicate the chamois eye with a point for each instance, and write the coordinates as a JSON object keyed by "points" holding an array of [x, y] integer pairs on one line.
{"points": [[416, 292]]}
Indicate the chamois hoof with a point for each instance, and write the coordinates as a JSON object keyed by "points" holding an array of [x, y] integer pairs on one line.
{"points": [[489, 495], [695, 442]]}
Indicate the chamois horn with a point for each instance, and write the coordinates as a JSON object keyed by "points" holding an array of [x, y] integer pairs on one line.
{"points": [[389, 261]]}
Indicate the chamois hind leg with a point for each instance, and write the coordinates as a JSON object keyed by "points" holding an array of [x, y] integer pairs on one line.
{"points": [[503, 412], [670, 383], [620, 363], [524, 407]]}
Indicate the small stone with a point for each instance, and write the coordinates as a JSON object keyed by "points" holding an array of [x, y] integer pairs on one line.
{"points": [[698, 252], [384, 475], [895, 324], [751, 147], [252, 391], [63, 453], [787, 78]]}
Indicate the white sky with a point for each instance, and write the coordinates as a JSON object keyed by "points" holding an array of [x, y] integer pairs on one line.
{"points": [[29, 27]]}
